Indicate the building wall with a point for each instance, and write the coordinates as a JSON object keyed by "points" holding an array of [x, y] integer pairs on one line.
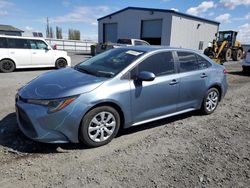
{"points": [[12, 33], [186, 33], [129, 24]]}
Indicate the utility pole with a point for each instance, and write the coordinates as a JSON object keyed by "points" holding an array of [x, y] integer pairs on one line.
{"points": [[47, 29]]}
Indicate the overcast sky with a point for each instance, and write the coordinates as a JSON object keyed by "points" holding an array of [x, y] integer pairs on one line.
{"points": [[82, 14]]}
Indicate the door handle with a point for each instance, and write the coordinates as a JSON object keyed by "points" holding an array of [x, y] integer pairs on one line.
{"points": [[34, 52], [203, 75], [12, 52], [173, 82]]}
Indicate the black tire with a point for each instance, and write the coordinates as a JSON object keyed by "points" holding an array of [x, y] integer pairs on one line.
{"points": [[237, 55], [7, 65], [87, 122], [61, 63], [227, 54], [204, 108]]}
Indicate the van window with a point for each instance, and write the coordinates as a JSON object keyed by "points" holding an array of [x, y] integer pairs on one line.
{"points": [[18, 43], [3, 42], [37, 44]]}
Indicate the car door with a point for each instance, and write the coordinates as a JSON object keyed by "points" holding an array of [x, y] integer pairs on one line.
{"points": [[19, 51], [193, 80], [42, 55], [155, 98]]}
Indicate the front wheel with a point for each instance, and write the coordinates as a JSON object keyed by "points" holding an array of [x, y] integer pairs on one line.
{"points": [[210, 102], [99, 126], [61, 63]]}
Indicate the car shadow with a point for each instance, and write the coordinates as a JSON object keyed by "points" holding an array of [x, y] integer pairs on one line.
{"points": [[16, 142], [35, 69], [238, 73]]}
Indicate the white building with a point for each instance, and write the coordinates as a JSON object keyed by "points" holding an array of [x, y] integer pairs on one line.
{"points": [[158, 27]]}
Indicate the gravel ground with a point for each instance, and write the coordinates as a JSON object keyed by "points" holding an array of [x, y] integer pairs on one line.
{"points": [[189, 150]]}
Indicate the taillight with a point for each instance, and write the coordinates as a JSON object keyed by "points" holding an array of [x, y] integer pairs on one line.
{"points": [[225, 71]]}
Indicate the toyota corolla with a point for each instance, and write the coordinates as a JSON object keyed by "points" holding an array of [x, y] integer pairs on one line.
{"points": [[117, 89]]}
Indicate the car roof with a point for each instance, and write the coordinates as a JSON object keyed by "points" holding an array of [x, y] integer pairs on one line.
{"points": [[21, 37], [151, 48]]}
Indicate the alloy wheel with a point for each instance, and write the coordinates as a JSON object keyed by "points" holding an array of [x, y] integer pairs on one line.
{"points": [[212, 101], [101, 127]]}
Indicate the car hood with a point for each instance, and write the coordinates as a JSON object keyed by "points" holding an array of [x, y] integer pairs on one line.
{"points": [[60, 83]]}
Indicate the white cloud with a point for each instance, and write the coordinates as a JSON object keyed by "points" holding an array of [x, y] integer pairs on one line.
{"points": [[247, 16], [175, 9], [4, 5], [231, 4], [223, 18], [244, 33], [83, 14], [203, 7], [28, 28]]}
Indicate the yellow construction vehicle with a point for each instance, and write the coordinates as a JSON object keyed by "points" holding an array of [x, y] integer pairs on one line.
{"points": [[225, 47]]}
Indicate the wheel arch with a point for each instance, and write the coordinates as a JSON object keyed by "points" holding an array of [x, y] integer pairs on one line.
{"points": [[7, 58], [110, 104], [57, 58], [218, 87]]}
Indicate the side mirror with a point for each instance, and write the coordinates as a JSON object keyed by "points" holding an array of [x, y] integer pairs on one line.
{"points": [[47, 48], [146, 76]]}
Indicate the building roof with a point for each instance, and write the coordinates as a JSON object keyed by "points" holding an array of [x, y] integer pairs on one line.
{"points": [[9, 28], [161, 10]]}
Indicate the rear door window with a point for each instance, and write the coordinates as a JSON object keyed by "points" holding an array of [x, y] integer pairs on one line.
{"points": [[18, 43], [159, 64], [3, 42], [202, 62]]}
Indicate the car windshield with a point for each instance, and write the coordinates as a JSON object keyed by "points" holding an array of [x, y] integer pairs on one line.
{"points": [[109, 63]]}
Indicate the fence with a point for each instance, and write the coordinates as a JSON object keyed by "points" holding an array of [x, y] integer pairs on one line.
{"points": [[77, 46]]}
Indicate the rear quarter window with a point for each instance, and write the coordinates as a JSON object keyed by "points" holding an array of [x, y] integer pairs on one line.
{"points": [[18, 43], [190, 62]]}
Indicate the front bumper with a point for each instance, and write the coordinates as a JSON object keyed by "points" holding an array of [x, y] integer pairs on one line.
{"points": [[59, 127], [68, 59]]}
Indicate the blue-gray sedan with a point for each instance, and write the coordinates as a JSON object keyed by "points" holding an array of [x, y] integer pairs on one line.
{"points": [[119, 88]]}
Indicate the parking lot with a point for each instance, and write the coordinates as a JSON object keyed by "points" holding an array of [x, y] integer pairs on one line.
{"points": [[189, 150]]}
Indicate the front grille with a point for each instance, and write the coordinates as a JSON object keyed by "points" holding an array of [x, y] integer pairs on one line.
{"points": [[26, 123]]}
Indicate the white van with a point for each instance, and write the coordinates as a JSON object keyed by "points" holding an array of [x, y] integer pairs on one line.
{"points": [[23, 52]]}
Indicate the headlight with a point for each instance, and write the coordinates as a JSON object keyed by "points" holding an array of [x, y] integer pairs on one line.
{"points": [[54, 105]]}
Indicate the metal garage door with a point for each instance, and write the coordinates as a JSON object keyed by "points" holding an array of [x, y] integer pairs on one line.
{"points": [[151, 31], [110, 32]]}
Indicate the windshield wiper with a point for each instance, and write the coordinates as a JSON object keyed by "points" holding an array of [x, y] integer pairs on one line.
{"points": [[84, 70], [106, 74]]}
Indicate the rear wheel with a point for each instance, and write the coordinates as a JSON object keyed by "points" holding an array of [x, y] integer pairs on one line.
{"points": [[99, 126], [210, 102], [237, 55], [7, 66], [61, 63]]}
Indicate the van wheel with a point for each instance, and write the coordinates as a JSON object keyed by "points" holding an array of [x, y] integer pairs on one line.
{"points": [[7, 66], [61, 63], [210, 101], [99, 126]]}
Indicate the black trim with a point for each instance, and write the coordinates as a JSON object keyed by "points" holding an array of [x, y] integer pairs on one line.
{"points": [[161, 10]]}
